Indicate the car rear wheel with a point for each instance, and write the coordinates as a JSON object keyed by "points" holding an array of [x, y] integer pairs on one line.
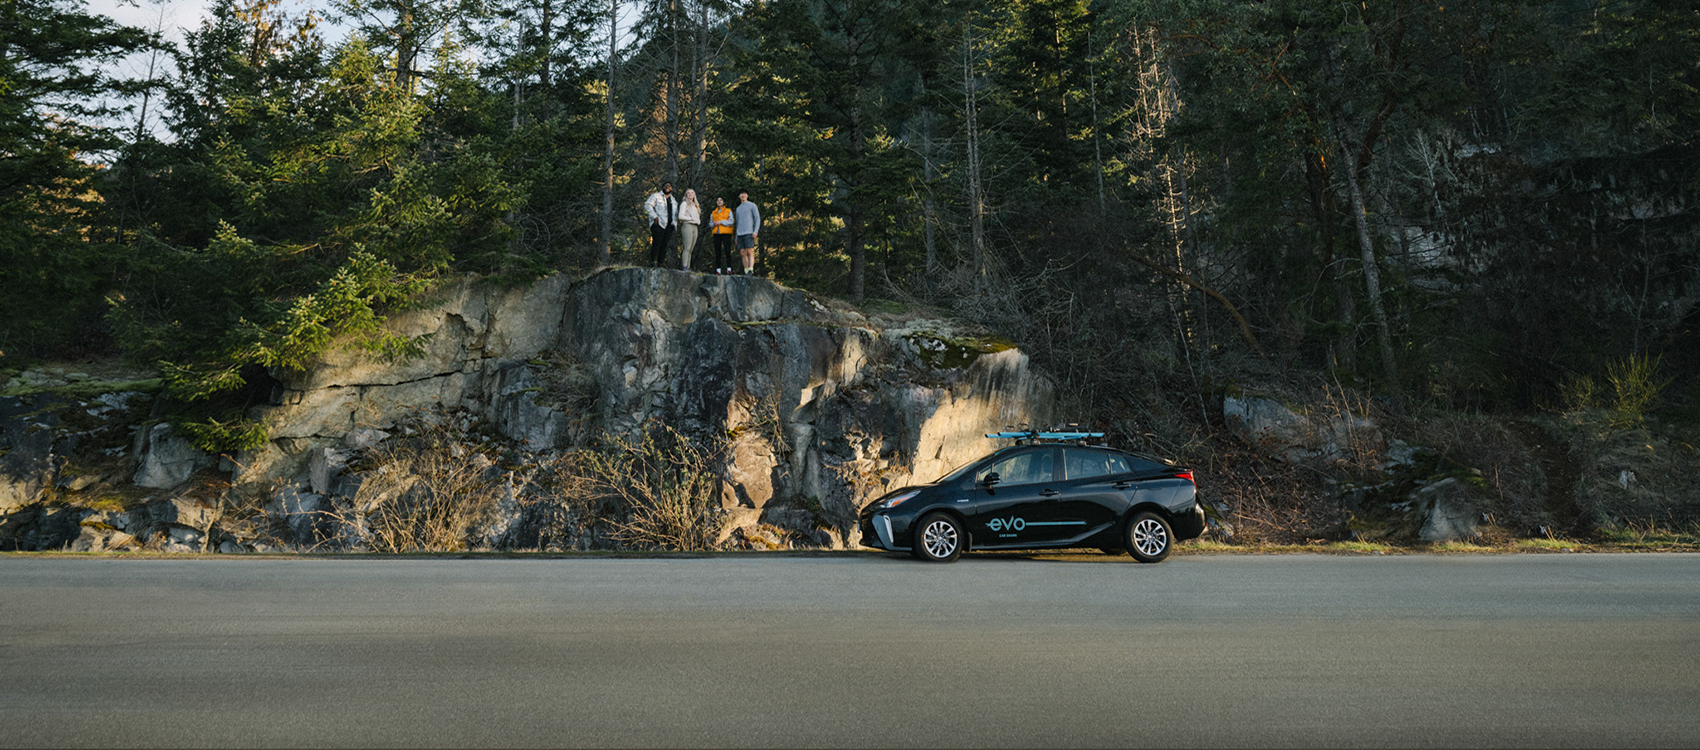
{"points": [[938, 538], [1149, 538]]}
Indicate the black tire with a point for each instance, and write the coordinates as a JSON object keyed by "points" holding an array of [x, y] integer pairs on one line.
{"points": [[1148, 537], [939, 538]]}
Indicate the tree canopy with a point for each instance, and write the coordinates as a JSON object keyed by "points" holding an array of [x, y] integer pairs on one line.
{"points": [[1462, 203]]}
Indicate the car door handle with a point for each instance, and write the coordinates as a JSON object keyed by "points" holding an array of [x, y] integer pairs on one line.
{"points": [[1124, 484], [1049, 493]]}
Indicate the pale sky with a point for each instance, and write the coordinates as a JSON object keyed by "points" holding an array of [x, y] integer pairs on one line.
{"points": [[169, 16], [173, 17]]}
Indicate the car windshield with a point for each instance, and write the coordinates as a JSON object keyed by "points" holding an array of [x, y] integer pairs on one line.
{"points": [[958, 472], [963, 470]]}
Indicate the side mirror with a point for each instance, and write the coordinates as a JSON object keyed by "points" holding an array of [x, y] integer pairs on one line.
{"points": [[991, 479]]}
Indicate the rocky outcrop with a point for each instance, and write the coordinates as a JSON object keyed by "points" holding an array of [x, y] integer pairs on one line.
{"points": [[56, 441], [1421, 497], [471, 333], [1284, 433], [815, 408], [28, 459], [1450, 513], [167, 459], [821, 404], [819, 407]]}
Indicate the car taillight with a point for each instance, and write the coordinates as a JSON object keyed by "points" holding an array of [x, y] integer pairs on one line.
{"points": [[1187, 475]]}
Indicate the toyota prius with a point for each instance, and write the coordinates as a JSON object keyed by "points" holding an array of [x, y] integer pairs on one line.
{"points": [[1047, 491]]}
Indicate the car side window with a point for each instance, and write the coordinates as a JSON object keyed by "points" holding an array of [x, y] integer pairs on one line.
{"points": [[1022, 468], [1118, 465], [1086, 464]]}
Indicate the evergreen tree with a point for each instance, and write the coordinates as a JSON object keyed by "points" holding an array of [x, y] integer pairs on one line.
{"points": [[544, 72], [396, 187], [813, 100], [54, 263], [406, 30]]}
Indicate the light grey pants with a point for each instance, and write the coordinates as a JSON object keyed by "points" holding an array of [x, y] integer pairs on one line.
{"points": [[688, 238]]}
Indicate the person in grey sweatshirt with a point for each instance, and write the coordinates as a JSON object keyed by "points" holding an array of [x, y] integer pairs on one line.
{"points": [[748, 229]]}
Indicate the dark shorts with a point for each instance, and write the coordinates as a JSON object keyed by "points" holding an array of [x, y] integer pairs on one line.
{"points": [[746, 241]]}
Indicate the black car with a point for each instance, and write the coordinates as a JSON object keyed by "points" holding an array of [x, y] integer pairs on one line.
{"points": [[1048, 490]]}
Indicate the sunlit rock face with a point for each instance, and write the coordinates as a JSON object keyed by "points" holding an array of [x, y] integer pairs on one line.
{"points": [[818, 406]]}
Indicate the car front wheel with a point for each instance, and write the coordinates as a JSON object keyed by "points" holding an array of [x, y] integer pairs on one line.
{"points": [[1149, 537], [938, 538]]}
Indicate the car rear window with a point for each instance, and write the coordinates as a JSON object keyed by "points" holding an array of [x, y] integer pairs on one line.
{"points": [[1085, 464]]}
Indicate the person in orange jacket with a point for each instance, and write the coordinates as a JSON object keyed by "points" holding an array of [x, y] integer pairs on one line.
{"points": [[721, 220]]}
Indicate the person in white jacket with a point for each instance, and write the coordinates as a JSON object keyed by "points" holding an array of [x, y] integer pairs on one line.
{"points": [[663, 214], [690, 220]]}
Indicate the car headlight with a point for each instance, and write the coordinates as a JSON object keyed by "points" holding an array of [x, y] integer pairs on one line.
{"points": [[892, 502]]}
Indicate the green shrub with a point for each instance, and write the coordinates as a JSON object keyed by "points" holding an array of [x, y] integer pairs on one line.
{"points": [[1580, 392], [1635, 386], [215, 437]]}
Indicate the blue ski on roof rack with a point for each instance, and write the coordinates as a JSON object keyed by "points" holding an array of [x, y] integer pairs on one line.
{"points": [[1036, 435]]}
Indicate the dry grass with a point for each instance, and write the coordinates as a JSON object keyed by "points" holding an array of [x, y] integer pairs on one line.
{"points": [[1543, 544], [1636, 476], [422, 493], [440, 490], [1652, 535], [1273, 501], [1359, 547], [1516, 486], [657, 492], [1267, 501], [1558, 476], [1204, 544], [1462, 547]]}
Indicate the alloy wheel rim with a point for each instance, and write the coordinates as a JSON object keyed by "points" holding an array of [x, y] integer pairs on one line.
{"points": [[939, 539], [1149, 538]]}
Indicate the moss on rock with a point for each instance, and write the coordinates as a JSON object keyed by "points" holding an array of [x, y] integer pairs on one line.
{"points": [[951, 352]]}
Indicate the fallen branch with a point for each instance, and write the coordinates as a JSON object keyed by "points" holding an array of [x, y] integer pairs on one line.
{"points": [[1245, 328]]}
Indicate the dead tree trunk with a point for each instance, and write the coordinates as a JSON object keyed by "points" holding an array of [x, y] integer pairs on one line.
{"points": [[672, 94], [605, 253], [976, 197], [544, 77], [854, 221], [1158, 103], [1097, 148], [699, 138], [929, 210], [1372, 277]]}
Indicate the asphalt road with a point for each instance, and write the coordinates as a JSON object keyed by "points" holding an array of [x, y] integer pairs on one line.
{"points": [[1448, 651]]}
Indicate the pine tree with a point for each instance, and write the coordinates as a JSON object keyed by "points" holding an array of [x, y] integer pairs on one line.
{"points": [[818, 89], [54, 264]]}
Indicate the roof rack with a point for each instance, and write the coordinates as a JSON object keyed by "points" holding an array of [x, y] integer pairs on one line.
{"points": [[1069, 433]]}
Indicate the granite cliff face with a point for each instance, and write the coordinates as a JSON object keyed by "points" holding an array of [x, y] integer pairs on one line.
{"points": [[819, 407]]}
